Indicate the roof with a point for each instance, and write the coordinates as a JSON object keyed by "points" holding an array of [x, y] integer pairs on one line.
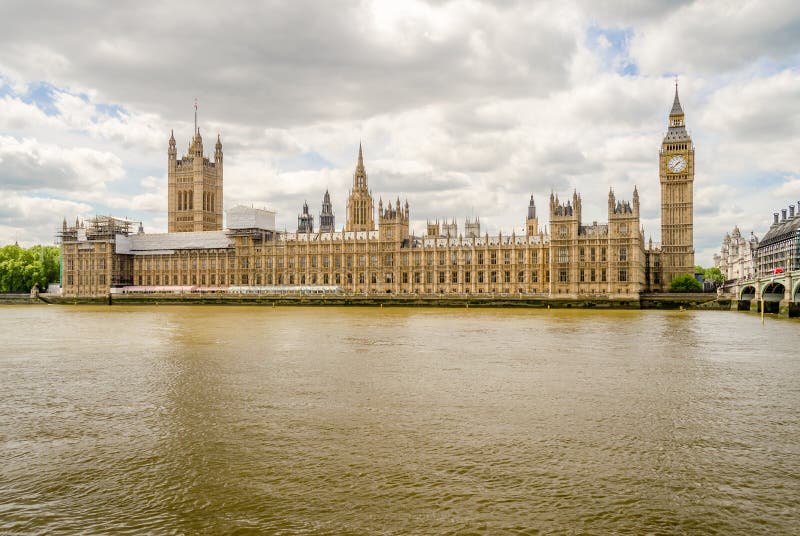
{"points": [[780, 231], [165, 243], [677, 109]]}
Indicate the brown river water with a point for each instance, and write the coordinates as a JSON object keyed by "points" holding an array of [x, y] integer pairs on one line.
{"points": [[239, 420]]}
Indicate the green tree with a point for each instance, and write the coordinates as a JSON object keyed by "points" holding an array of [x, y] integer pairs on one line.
{"points": [[685, 283], [715, 275], [20, 268]]}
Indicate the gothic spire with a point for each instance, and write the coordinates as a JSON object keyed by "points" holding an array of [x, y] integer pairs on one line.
{"points": [[676, 104], [360, 175]]}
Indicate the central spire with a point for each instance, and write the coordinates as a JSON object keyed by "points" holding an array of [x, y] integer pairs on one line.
{"points": [[360, 175]]}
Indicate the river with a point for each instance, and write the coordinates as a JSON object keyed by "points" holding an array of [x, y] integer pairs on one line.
{"points": [[292, 420]]}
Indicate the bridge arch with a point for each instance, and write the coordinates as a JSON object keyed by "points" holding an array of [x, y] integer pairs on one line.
{"points": [[796, 293], [772, 294], [748, 293]]}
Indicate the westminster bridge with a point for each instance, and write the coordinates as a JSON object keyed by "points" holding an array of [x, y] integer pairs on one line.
{"points": [[779, 293]]}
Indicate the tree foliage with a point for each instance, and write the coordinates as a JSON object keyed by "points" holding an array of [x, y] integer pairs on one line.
{"points": [[21, 268], [710, 274], [685, 283], [715, 275]]}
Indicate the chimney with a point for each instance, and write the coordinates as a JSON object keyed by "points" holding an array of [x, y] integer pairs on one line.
{"points": [[791, 211], [783, 214], [775, 215]]}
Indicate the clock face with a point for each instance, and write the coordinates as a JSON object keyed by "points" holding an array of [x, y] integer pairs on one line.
{"points": [[676, 164]]}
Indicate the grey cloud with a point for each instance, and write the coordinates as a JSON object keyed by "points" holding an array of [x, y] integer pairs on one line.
{"points": [[285, 63]]}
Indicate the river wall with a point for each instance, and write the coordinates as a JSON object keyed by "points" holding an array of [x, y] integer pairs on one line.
{"points": [[649, 301]]}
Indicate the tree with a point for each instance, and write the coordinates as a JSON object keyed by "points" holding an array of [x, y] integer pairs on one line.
{"points": [[715, 275], [685, 283], [20, 268]]}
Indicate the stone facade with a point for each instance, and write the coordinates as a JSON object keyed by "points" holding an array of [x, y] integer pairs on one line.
{"points": [[194, 186], [737, 256], [566, 258]]}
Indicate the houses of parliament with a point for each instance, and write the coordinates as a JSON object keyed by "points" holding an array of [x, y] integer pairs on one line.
{"points": [[564, 258]]}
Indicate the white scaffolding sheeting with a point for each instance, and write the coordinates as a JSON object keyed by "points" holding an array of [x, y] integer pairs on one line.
{"points": [[167, 243]]}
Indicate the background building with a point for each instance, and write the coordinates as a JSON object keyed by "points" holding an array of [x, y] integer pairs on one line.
{"points": [[566, 258], [737, 257], [780, 247]]}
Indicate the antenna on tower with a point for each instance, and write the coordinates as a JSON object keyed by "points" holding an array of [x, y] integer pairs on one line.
{"points": [[195, 115]]}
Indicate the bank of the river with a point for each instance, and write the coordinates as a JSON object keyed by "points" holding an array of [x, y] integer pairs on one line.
{"points": [[12, 299], [651, 301]]}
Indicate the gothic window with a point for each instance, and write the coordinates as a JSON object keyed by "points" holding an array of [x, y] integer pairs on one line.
{"points": [[520, 277], [623, 254], [494, 277], [623, 276], [506, 277], [562, 231], [535, 276], [520, 257], [603, 254], [563, 255], [562, 276], [623, 228], [603, 275], [454, 277], [507, 257], [441, 277], [467, 278], [493, 259]]}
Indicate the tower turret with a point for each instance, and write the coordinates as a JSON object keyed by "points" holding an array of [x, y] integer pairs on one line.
{"points": [[676, 171], [532, 222], [360, 206], [194, 185], [326, 218], [305, 220]]}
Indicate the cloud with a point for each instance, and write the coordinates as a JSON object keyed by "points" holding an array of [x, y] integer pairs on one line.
{"points": [[716, 36], [35, 220], [29, 165], [464, 107]]}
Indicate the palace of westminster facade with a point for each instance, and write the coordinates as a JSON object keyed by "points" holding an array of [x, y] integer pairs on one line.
{"points": [[566, 259]]}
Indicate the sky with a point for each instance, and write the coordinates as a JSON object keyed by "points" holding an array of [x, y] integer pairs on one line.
{"points": [[463, 107]]}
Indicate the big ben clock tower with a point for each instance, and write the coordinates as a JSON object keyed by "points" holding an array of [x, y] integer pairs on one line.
{"points": [[676, 169]]}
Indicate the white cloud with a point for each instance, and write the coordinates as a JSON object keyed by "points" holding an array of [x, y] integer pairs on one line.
{"points": [[465, 107], [28, 165]]}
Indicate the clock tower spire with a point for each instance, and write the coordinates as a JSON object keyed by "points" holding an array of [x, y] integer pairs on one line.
{"points": [[676, 171]]}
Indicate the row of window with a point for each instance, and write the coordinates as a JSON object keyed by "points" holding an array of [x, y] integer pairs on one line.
{"points": [[361, 278]]}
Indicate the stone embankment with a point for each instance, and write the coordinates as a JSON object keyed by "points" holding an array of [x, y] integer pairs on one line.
{"points": [[649, 301], [14, 299]]}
